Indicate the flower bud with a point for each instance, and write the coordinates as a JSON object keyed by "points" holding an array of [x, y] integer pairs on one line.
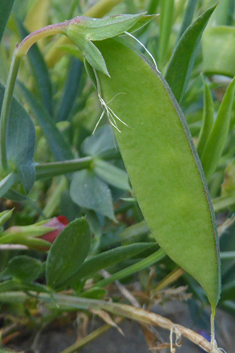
{"points": [[59, 223]]}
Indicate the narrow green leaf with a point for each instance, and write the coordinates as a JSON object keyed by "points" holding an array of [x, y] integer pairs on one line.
{"points": [[166, 174], [111, 174], [218, 51], [90, 192], [24, 268], [182, 59], [136, 230], [218, 136], [152, 6], [231, 9], [91, 53], [20, 142], [15, 284], [71, 90], [40, 71], [188, 16], [222, 13], [93, 293], [224, 203], [5, 10], [207, 120], [57, 143], [148, 261], [228, 291], [166, 21], [68, 252], [6, 183], [5, 215], [108, 258]]}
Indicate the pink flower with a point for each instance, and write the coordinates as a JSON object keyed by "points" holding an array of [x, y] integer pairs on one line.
{"points": [[57, 222]]}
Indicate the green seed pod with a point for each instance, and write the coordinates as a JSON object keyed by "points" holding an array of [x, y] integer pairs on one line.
{"points": [[162, 162]]}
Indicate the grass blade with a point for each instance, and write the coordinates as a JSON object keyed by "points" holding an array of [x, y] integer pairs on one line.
{"points": [[218, 136], [166, 21], [40, 71], [182, 60], [208, 120], [72, 88], [109, 258], [57, 143], [188, 16], [5, 10]]}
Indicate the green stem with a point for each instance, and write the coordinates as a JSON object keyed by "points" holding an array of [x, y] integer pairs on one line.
{"points": [[150, 260], [49, 170], [20, 51], [6, 105], [27, 42]]}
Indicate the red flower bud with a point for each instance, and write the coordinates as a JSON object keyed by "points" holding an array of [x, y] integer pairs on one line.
{"points": [[57, 222]]}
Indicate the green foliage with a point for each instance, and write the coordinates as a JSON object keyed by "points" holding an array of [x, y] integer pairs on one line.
{"points": [[181, 62], [118, 202], [58, 145], [68, 252], [190, 243], [4, 216], [24, 268], [217, 138], [108, 258], [207, 120], [5, 10], [40, 71], [89, 191], [20, 143]]}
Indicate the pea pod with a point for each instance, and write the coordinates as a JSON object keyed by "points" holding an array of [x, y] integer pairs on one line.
{"points": [[162, 162]]}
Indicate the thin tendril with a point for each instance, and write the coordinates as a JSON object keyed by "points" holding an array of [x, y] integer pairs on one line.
{"points": [[143, 46]]}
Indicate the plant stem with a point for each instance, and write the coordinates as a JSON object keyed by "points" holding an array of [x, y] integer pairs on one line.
{"points": [[49, 170], [20, 51], [6, 105], [98, 10], [127, 311], [27, 42]]}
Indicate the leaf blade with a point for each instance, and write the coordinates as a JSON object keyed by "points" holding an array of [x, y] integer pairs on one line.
{"points": [[57, 143], [90, 192], [68, 252], [217, 138], [207, 120], [182, 60], [40, 71], [5, 10], [108, 258], [20, 141]]}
